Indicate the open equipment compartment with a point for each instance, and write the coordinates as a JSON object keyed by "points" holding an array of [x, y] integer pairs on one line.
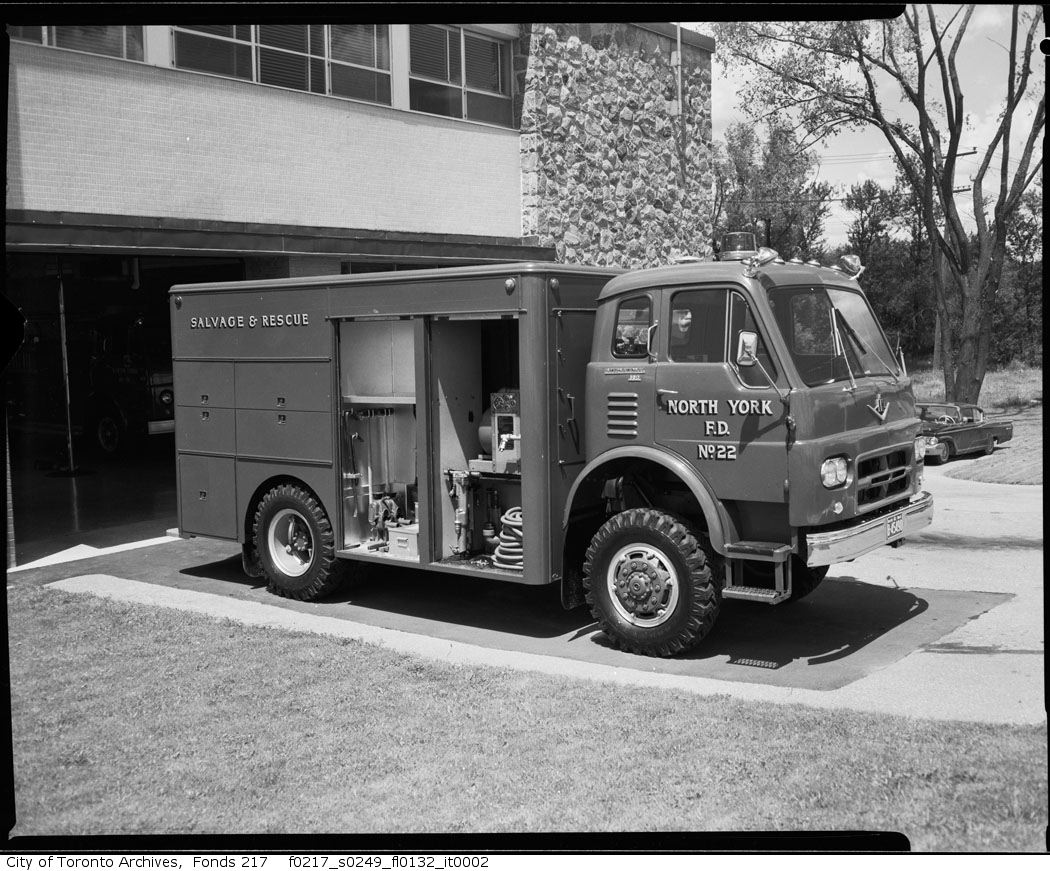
{"points": [[477, 443], [378, 437]]}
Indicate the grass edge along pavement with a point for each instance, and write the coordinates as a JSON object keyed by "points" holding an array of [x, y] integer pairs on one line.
{"points": [[131, 719]]}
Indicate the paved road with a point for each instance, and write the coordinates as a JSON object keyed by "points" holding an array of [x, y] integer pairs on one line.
{"points": [[950, 626]]}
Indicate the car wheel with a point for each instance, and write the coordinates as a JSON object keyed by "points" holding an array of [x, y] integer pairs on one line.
{"points": [[646, 579]]}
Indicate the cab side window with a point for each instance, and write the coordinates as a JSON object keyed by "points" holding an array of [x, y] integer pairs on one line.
{"points": [[697, 333], [633, 319], [741, 318]]}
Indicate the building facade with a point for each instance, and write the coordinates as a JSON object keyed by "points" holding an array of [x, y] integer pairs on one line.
{"points": [[142, 156]]}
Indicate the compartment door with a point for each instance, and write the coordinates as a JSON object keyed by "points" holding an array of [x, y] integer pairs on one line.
{"points": [[208, 498], [572, 352]]}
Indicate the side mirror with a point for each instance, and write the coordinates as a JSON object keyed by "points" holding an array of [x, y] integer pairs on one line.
{"points": [[746, 348]]}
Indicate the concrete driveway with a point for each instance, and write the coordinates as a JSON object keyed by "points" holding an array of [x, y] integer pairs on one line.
{"points": [[950, 626]]}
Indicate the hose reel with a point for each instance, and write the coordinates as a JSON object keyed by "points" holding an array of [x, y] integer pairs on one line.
{"points": [[510, 552]]}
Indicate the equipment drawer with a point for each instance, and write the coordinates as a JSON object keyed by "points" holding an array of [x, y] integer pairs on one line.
{"points": [[296, 386], [285, 435], [203, 384], [207, 493], [208, 430]]}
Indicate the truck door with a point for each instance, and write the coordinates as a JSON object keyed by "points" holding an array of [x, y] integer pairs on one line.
{"points": [[573, 332], [728, 422]]}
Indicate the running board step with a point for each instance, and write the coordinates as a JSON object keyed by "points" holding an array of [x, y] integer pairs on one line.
{"points": [[768, 551], [755, 594]]}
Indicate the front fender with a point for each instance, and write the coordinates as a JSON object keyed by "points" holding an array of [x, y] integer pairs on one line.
{"points": [[719, 525]]}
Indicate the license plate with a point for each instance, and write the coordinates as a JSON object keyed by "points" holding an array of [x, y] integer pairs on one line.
{"points": [[894, 525]]}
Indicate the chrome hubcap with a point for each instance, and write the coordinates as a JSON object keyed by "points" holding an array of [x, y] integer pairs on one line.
{"points": [[290, 543], [642, 584]]}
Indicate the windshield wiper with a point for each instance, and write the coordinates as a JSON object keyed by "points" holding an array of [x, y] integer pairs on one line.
{"points": [[852, 333]]}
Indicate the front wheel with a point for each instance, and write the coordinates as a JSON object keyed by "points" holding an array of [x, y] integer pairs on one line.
{"points": [[295, 544], [647, 582], [938, 455]]}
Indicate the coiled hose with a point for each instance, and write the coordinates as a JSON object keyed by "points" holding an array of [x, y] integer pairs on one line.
{"points": [[510, 552]]}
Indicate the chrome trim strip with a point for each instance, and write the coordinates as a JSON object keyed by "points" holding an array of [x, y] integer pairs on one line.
{"points": [[841, 545]]}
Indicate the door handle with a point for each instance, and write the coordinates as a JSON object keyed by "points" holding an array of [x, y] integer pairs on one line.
{"points": [[662, 392]]}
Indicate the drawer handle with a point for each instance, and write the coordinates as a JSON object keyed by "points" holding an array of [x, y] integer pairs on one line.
{"points": [[205, 415], [280, 402], [282, 418], [203, 495], [204, 399]]}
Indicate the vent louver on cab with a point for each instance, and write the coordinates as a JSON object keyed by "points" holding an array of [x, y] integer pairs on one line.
{"points": [[622, 415]]}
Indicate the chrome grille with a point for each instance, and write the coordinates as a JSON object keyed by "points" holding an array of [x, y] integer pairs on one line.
{"points": [[622, 415], [882, 477]]}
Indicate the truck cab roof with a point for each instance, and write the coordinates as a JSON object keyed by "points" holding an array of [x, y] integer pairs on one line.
{"points": [[770, 275]]}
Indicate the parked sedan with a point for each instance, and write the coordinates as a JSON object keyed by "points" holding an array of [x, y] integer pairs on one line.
{"points": [[952, 429]]}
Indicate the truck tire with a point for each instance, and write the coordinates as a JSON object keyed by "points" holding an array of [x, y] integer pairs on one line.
{"points": [[295, 544], [805, 579], [648, 585], [106, 434]]}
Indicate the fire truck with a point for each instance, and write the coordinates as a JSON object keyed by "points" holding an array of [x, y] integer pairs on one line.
{"points": [[653, 442]]}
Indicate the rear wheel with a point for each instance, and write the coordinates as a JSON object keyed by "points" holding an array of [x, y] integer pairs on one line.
{"points": [[295, 544], [647, 582]]}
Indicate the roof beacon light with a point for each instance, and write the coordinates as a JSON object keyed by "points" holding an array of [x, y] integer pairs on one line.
{"points": [[761, 258], [851, 265]]}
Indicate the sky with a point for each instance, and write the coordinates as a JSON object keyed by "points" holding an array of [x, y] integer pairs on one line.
{"points": [[851, 157]]}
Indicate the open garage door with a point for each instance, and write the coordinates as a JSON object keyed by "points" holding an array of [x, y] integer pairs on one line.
{"points": [[121, 486]]}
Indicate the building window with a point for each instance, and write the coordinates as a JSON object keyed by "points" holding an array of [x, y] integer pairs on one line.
{"points": [[113, 40], [459, 74], [341, 60]]}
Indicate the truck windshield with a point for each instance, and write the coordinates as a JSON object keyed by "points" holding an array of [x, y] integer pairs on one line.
{"points": [[817, 321]]}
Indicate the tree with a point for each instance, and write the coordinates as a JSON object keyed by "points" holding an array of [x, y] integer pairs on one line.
{"points": [[826, 76], [1025, 284], [875, 211], [771, 180]]}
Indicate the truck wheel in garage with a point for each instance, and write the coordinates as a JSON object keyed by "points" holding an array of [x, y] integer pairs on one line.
{"points": [[106, 434], [647, 582], [295, 543]]}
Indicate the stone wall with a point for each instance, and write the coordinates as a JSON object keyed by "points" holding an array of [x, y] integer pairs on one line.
{"points": [[607, 177]]}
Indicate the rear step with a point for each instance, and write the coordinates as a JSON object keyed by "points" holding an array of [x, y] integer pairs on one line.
{"points": [[761, 551]]}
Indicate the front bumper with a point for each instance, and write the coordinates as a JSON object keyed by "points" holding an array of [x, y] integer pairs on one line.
{"points": [[842, 545], [158, 426]]}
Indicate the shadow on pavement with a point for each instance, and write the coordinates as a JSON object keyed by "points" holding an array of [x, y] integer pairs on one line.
{"points": [[843, 631], [388, 592]]}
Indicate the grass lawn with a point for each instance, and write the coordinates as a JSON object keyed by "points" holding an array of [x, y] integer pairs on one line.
{"points": [[128, 719], [1016, 394]]}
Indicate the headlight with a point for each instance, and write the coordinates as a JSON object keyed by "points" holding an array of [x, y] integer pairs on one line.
{"points": [[920, 448], [931, 441], [166, 397], [833, 472]]}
